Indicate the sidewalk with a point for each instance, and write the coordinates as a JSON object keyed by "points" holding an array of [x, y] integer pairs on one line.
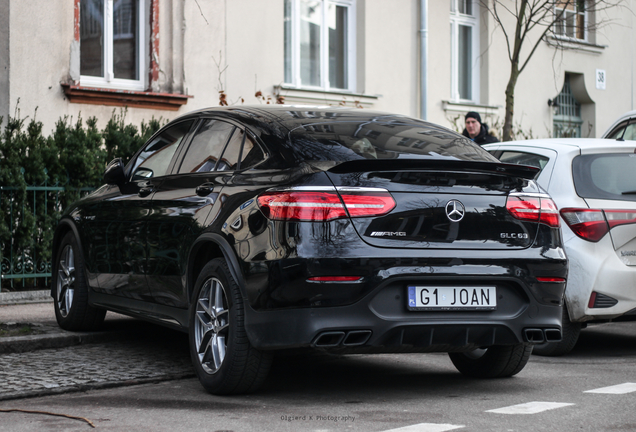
{"points": [[35, 308], [125, 352]]}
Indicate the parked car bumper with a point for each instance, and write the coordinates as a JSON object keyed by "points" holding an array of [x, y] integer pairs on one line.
{"points": [[595, 267], [380, 321]]}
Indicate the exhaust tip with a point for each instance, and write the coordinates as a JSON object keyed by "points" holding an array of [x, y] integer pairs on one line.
{"points": [[534, 336], [329, 339], [553, 335], [357, 337]]}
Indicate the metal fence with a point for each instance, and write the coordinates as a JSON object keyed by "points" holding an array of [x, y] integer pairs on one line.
{"points": [[23, 263]]}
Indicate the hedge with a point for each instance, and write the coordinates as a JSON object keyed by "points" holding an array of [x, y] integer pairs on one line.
{"points": [[72, 159]]}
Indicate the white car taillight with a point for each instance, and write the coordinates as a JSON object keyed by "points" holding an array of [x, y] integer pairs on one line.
{"points": [[593, 224]]}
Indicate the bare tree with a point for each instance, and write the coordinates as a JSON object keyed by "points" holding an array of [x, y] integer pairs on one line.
{"points": [[528, 22]]}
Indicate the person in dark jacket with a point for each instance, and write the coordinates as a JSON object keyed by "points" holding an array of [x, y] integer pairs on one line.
{"points": [[476, 130]]}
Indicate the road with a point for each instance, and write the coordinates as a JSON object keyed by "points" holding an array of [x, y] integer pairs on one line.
{"points": [[405, 393]]}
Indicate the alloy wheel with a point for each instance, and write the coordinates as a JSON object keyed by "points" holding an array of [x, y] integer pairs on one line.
{"points": [[211, 325], [66, 281]]}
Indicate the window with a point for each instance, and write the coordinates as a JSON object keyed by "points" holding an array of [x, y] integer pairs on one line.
{"points": [[207, 146], [573, 19], [624, 131], [240, 153], [320, 44], [567, 120], [464, 50], [523, 158], [112, 35], [605, 176], [209, 152], [155, 158]]}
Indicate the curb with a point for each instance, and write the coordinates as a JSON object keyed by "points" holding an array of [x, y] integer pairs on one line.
{"points": [[58, 339], [18, 297], [93, 386]]}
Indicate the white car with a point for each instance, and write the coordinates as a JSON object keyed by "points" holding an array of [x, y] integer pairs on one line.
{"points": [[593, 183], [624, 128]]}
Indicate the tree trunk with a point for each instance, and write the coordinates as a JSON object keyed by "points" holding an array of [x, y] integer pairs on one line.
{"points": [[510, 101]]}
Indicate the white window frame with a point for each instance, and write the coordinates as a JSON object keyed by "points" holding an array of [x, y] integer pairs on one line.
{"points": [[109, 80], [563, 35], [324, 47], [457, 19]]}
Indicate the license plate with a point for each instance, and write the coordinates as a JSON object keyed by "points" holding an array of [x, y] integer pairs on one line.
{"points": [[426, 298]]}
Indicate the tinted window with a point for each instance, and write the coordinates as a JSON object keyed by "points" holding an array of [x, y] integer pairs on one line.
{"points": [[240, 148], [625, 131], [155, 158], [206, 147], [523, 158], [251, 153], [343, 141], [605, 176]]}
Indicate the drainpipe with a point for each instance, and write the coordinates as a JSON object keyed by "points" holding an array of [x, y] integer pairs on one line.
{"points": [[423, 59]]}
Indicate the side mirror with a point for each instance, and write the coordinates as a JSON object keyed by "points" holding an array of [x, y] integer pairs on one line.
{"points": [[114, 174]]}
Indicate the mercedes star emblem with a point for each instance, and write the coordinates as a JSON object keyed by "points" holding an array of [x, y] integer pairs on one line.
{"points": [[455, 210]]}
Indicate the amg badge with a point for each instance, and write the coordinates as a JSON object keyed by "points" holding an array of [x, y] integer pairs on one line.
{"points": [[388, 234]]}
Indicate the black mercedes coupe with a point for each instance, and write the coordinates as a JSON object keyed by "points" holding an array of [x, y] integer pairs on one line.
{"points": [[269, 228]]}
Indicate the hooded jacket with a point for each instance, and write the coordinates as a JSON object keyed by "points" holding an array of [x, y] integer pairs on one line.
{"points": [[483, 137]]}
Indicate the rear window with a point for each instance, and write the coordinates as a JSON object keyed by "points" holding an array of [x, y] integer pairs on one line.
{"points": [[626, 131], [605, 176], [345, 141], [523, 158]]}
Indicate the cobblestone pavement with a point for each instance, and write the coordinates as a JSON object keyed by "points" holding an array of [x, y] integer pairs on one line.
{"points": [[148, 354]]}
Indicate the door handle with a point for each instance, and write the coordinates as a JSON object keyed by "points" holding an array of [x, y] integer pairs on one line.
{"points": [[145, 191], [204, 190]]}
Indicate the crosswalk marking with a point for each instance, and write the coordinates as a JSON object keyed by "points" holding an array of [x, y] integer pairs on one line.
{"points": [[615, 389], [529, 408], [427, 427]]}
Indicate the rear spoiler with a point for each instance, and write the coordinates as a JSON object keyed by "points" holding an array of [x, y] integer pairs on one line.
{"points": [[364, 165]]}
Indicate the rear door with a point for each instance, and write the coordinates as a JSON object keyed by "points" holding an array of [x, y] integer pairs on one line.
{"points": [[186, 202]]}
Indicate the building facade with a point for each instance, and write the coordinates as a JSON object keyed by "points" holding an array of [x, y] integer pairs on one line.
{"points": [[430, 59]]}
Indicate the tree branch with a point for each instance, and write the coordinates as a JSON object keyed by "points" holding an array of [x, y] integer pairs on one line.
{"points": [[91, 424]]}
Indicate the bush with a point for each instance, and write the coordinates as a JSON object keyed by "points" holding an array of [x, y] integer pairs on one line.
{"points": [[40, 176]]}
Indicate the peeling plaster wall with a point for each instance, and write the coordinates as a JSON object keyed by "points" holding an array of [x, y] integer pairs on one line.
{"points": [[39, 61], [5, 65], [205, 46], [237, 46]]}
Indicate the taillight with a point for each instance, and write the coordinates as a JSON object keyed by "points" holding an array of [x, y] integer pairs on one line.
{"points": [[307, 205], [593, 224], [550, 279], [620, 217], [589, 224], [335, 279], [533, 209]]}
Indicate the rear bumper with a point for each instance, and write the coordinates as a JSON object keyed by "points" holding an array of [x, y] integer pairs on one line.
{"points": [[595, 267], [381, 322]]}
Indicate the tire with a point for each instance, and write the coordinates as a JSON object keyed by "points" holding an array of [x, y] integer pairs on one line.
{"points": [[222, 356], [570, 335], [493, 362], [70, 289]]}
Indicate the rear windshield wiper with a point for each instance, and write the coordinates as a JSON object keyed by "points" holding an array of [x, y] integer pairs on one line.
{"points": [[629, 192]]}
